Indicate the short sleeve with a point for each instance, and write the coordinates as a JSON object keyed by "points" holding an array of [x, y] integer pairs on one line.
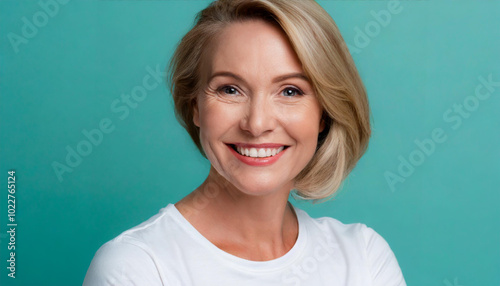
{"points": [[384, 267], [122, 263]]}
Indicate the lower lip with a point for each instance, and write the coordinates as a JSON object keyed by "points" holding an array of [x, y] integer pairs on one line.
{"points": [[256, 161]]}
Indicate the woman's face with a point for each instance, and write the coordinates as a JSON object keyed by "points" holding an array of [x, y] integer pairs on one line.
{"points": [[258, 116]]}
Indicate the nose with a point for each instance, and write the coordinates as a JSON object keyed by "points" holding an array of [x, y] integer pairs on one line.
{"points": [[260, 116]]}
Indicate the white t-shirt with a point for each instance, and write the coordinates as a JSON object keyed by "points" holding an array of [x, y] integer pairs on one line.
{"points": [[168, 250]]}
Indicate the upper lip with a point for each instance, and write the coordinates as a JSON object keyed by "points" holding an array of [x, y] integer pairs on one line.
{"points": [[263, 145]]}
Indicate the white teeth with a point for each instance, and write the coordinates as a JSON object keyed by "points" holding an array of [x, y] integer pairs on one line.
{"points": [[259, 153], [268, 152], [262, 153], [253, 152]]}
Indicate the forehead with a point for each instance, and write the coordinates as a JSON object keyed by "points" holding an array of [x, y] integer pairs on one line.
{"points": [[253, 46]]}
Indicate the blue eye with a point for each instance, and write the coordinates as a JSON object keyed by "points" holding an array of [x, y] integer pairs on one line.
{"points": [[227, 89], [291, 92]]}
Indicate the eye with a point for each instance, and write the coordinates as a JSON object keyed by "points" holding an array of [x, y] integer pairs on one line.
{"points": [[228, 89], [291, 92]]}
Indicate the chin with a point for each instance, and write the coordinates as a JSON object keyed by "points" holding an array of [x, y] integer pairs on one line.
{"points": [[259, 188]]}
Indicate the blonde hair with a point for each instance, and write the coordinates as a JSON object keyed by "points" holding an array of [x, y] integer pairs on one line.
{"points": [[326, 61]]}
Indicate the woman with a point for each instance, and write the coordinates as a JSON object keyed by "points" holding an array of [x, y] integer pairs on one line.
{"points": [[271, 97]]}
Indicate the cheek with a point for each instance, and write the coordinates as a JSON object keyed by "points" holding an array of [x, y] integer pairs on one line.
{"points": [[303, 123], [215, 118]]}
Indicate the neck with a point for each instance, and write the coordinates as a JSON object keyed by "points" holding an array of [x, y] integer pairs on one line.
{"points": [[264, 226]]}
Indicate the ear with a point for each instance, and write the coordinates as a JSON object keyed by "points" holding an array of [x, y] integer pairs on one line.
{"points": [[322, 125], [196, 114]]}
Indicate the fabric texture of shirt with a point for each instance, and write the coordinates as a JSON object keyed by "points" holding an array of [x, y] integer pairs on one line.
{"points": [[167, 250]]}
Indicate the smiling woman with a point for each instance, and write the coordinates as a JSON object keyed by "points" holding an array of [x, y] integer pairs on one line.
{"points": [[257, 99], [271, 97]]}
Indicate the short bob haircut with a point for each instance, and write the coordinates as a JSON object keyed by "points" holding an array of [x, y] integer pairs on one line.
{"points": [[327, 63]]}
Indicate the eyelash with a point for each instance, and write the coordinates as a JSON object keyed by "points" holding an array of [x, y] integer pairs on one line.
{"points": [[297, 90], [221, 89]]}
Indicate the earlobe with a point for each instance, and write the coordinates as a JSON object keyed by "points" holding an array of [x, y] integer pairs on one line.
{"points": [[322, 125], [196, 115]]}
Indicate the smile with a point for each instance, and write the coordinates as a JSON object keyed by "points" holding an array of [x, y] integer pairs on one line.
{"points": [[257, 154]]}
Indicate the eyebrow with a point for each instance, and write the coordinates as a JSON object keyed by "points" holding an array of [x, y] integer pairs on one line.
{"points": [[275, 80]]}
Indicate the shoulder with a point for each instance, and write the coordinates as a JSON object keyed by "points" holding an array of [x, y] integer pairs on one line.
{"points": [[355, 232], [122, 263], [328, 226], [129, 258], [360, 243], [358, 233]]}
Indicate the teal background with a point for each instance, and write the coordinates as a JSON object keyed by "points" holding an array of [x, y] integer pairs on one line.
{"points": [[442, 222]]}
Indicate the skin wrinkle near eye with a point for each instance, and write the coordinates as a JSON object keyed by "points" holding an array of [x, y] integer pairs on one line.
{"points": [[211, 93], [223, 88], [220, 94], [278, 79], [218, 91]]}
